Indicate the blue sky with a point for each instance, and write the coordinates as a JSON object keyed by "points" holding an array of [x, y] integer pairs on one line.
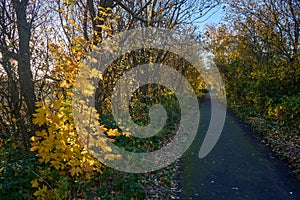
{"points": [[214, 16]]}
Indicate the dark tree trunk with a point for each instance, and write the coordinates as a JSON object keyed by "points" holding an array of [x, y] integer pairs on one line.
{"points": [[24, 69]]}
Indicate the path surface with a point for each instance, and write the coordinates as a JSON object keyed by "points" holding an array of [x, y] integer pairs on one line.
{"points": [[239, 166]]}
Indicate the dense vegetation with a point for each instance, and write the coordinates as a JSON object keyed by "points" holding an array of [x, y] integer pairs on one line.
{"points": [[43, 44]]}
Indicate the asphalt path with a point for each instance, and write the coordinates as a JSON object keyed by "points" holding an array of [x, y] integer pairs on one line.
{"points": [[239, 166]]}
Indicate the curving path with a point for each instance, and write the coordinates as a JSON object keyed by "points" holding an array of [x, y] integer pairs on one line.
{"points": [[239, 166]]}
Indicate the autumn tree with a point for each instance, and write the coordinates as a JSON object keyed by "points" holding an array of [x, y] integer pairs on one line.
{"points": [[263, 43], [257, 51]]}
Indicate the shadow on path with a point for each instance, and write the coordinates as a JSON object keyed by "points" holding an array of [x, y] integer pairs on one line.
{"points": [[239, 166]]}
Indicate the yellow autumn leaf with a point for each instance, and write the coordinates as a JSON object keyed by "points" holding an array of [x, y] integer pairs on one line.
{"points": [[34, 183], [103, 27], [75, 171], [113, 132], [41, 191], [112, 140], [64, 84], [33, 148], [103, 128], [127, 134], [40, 116], [72, 22], [57, 103]]}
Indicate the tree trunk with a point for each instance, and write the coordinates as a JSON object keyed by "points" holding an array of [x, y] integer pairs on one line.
{"points": [[24, 69]]}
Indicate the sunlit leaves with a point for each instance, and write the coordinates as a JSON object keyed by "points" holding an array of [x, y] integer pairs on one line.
{"points": [[40, 116], [57, 144]]}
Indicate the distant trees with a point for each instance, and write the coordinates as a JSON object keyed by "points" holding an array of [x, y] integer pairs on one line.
{"points": [[273, 28], [257, 49]]}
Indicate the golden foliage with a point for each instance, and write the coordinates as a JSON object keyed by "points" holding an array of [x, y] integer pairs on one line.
{"points": [[57, 142]]}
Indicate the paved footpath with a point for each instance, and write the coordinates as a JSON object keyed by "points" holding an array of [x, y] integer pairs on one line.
{"points": [[239, 166]]}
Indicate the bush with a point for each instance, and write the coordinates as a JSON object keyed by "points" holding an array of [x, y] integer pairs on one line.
{"points": [[17, 169], [287, 111]]}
